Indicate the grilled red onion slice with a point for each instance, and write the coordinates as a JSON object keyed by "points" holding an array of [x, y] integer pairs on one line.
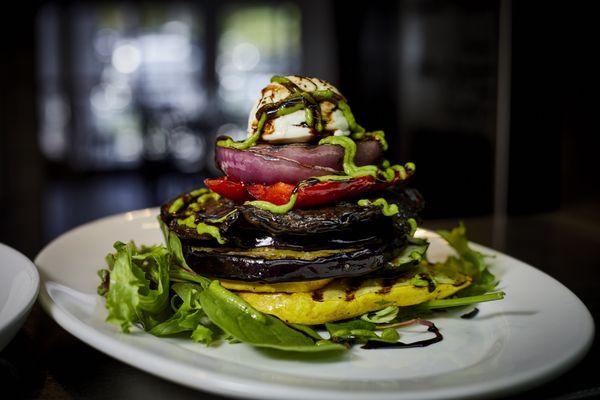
{"points": [[250, 167], [269, 164], [325, 155]]}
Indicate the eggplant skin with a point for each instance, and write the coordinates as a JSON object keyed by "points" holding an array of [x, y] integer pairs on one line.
{"points": [[355, 262], [341, 216]]}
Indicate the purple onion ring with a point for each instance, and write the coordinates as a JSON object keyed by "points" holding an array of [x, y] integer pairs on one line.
{"points": [[292, 163]]}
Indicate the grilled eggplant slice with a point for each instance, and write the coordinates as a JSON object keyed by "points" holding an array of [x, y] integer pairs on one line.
{"points": [[289, 266], [338, 217], [244, 225]]}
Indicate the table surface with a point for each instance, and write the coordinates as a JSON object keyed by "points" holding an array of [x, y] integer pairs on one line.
{"points": [[46, 362]]}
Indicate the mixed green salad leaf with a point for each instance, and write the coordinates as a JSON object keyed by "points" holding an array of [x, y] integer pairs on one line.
{"points": [[468, 262], [152, 287]]}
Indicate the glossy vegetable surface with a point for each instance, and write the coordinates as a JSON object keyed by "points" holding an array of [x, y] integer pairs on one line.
{"points": [[313, 194], [251, 266]]}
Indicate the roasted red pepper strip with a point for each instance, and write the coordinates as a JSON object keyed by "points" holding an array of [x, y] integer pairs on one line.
{"points": [[332, 191], [278, 193], [232, 190], [309, 196], [314, 195]]}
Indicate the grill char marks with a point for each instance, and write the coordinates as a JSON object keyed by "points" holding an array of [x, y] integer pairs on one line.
{"points": [[386, 285], [353, 285]]}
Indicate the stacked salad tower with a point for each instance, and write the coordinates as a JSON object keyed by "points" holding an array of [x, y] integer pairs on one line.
{"points": [[310, 227]]}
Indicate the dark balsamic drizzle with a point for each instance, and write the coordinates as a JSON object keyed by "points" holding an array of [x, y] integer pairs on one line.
{"points": [[272, 108], [297, 96], [371, 344], [471, 314]]}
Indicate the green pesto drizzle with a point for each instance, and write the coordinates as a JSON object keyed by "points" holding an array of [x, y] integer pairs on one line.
{"points": [[275, 209], [190, 221], [202, 195], [198, 192], [288, 110], [213, 231], [325, 95], [282, 80], [413, 226], [388, 172], [202, 228], [350, 168], [176, 205], [343, 106], [221, 219], [377, 135], [386, 209], [208, 196], [249, 142]]}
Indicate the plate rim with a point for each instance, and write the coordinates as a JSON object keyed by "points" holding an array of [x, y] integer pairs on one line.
{"points": [[224, 384], [33, 289]]}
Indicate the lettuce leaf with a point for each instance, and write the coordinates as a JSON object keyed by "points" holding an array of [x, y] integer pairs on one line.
{"points": [[138, 294], [188, 317], [138, 290], [468, 262]]}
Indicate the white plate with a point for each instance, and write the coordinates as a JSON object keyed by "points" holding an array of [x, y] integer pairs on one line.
{"points": [[19, 284], [538, 331]]}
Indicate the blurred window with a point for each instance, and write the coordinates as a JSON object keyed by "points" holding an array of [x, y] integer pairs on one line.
{"points": [[122, 84], [255, 43]]}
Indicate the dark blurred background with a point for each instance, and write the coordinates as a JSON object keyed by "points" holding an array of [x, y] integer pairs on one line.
{"points": [[110, 106]]}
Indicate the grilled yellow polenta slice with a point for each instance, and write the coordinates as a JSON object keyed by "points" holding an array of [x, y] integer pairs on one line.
{"points": [[280, 287], [349, 298]]}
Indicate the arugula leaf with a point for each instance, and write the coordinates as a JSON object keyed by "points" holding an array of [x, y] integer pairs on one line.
{"points": [[138, 286], [468, 262], [462, 301], [237, 318], [427, 308]]}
